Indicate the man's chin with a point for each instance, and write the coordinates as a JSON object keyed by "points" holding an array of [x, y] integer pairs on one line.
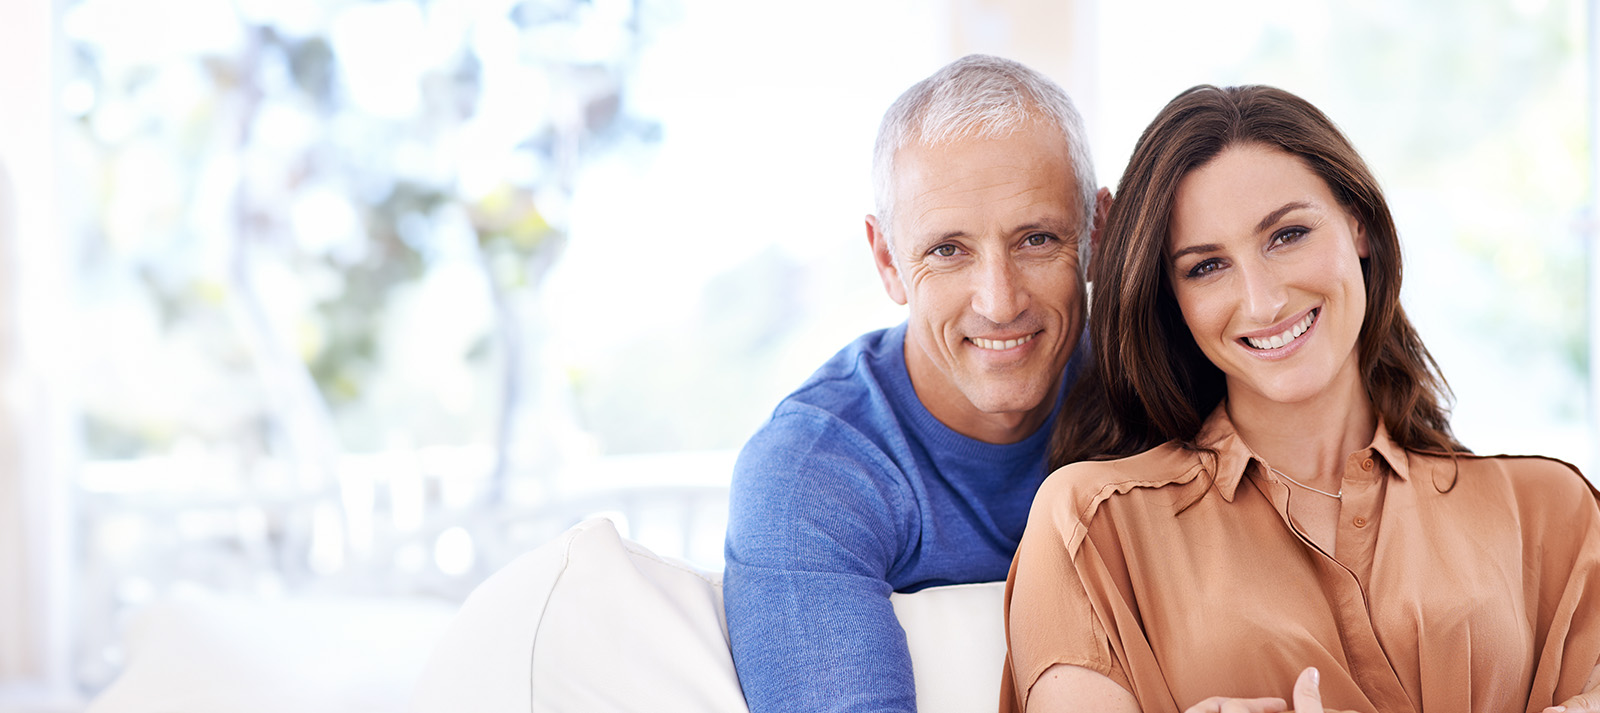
{"points": [[1018, 400]]}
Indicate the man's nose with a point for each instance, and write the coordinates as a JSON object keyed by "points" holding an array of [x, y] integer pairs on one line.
{"points": [[999, 295]]}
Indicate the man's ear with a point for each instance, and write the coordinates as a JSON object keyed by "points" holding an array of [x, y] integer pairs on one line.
{"points": [[1102, 209], [883, 259]]}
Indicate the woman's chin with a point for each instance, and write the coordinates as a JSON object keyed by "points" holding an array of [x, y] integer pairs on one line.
{"points": [[1286, 390]]}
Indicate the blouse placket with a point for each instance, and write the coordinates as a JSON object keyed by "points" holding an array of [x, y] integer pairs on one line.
{"points": [[1344, 575]]}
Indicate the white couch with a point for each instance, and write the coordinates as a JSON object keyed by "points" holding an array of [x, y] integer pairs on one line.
{"points": [[593, 622], [588, 622], [203, 653]]}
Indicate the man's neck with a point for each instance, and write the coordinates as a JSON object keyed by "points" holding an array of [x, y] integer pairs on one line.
{"points": [[946, 402]]}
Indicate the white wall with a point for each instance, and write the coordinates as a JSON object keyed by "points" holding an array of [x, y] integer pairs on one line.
{"points": [[34, 435]]}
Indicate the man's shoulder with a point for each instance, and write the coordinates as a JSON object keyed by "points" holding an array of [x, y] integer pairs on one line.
{"points": [[855, 373], [837, 431], [854, 392]]}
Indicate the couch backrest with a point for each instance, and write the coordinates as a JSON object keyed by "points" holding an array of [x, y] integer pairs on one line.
{"points": [[593, 622]]}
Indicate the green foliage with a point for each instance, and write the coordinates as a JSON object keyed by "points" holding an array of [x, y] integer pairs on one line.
{"points": [[316, 171]]}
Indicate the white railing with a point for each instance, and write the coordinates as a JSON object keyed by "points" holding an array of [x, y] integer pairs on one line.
{"points": [[404, 523]]}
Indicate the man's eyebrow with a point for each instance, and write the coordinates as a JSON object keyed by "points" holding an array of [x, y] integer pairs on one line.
{"points": [[1048, 226], [1063, 229], [1279, 213], [924, 242]]}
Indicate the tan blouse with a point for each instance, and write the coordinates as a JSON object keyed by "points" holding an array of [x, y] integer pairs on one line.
{"points": [[1455, 584]]}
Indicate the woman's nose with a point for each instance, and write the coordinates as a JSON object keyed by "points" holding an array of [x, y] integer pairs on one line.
{"points": [[1265, 293]]}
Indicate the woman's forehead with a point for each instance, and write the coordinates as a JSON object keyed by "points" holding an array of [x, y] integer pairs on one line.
{"points": [[1243, 191]]}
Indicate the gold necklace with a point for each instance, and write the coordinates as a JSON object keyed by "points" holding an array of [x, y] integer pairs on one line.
{"points": [[1336, 496]]}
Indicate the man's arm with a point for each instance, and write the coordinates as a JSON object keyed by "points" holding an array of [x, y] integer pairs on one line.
{"points": [[817, 519]]}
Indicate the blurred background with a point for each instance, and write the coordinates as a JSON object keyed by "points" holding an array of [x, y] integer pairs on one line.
{"points": [[365, 297]]}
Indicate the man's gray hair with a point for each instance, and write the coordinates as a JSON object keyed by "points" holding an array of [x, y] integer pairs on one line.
{"points": [[984, 97]]}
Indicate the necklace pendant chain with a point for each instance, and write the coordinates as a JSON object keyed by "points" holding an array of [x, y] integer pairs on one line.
{"points": [[1336, 496]]}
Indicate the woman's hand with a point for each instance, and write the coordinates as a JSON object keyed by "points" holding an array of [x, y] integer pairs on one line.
{"points": [[1307, 699], [1219, 704], [1581, 703], [1586, 702]]}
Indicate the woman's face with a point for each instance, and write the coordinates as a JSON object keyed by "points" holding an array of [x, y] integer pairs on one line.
{"points": [[1266, 267]]}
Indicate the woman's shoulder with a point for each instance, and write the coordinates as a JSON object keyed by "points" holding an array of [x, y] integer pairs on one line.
{"points": [[1087, 483], [1527, 475]]}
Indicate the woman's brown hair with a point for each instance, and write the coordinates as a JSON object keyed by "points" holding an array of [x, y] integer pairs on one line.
{"points": [[1149, 382]]}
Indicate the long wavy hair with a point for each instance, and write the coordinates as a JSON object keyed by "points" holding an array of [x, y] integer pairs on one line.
{"points": [[1150, 383]]}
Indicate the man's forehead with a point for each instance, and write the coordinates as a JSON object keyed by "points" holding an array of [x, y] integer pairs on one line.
{"points": [[1008, 205], [1030, 149], [1022, 157]]}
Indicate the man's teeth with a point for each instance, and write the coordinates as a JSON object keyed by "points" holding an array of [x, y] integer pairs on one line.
{"points": [[998, 344], [1277, 341]]}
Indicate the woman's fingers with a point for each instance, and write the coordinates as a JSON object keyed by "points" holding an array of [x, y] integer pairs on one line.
{"points": [[1307, 699], [1220, 704], [1581, 703], [1307, 694]]}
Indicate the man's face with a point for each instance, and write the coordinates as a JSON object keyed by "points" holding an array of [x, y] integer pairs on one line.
{"points": [[985, 252]]}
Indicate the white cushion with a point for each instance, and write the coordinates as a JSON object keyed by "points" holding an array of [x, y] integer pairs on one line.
{"points": [[957, 637], [593, 622]]}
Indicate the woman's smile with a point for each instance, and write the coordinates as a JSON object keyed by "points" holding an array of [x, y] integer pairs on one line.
{"points": [[1278, 342]]}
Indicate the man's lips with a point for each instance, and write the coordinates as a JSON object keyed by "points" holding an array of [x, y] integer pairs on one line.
{"points": [[1001, 344]]}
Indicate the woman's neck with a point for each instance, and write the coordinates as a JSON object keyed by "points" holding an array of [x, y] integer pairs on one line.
{"points": [[1309, 440]]}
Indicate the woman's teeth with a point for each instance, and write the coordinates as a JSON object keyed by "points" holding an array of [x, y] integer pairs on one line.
{"points": [[1277, 341]]}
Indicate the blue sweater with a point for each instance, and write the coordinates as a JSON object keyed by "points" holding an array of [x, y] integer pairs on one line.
{"points": [[851, 491]]}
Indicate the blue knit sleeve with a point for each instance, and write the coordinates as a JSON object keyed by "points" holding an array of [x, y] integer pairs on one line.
{"points": [[818, 518]]}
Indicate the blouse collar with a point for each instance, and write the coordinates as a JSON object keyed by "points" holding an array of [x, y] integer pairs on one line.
{"points": [[1232, 455]]}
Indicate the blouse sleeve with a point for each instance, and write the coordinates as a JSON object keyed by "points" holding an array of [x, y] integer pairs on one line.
{"points": [[1568, 562], [1051, 617]]}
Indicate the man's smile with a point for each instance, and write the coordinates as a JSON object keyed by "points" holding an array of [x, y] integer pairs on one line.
{"points": [[1001, 344]]}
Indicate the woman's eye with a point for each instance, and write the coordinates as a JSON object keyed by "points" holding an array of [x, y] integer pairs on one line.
{"points": [[944, 251], [1204, 267], [1036, 240], [1288, 235]]}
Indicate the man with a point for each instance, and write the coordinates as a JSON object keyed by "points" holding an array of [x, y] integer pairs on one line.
{"points": [[909, 460]]}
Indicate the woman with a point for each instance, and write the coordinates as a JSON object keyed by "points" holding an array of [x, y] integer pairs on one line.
{"points": [[1276, 507]]}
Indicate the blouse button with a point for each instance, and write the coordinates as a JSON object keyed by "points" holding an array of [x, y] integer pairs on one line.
{"points": [[1359, 522], [1366, 464]]}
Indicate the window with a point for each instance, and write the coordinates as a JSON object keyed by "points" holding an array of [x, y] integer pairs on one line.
{"points": [[369, 295]]}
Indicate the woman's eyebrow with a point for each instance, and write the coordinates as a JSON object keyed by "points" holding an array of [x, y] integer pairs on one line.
{"points": [[1206, 248], [1279, 213]]}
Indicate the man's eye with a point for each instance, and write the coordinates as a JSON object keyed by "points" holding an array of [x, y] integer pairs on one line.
{"points": [[944, 251], [1036, 240]]}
